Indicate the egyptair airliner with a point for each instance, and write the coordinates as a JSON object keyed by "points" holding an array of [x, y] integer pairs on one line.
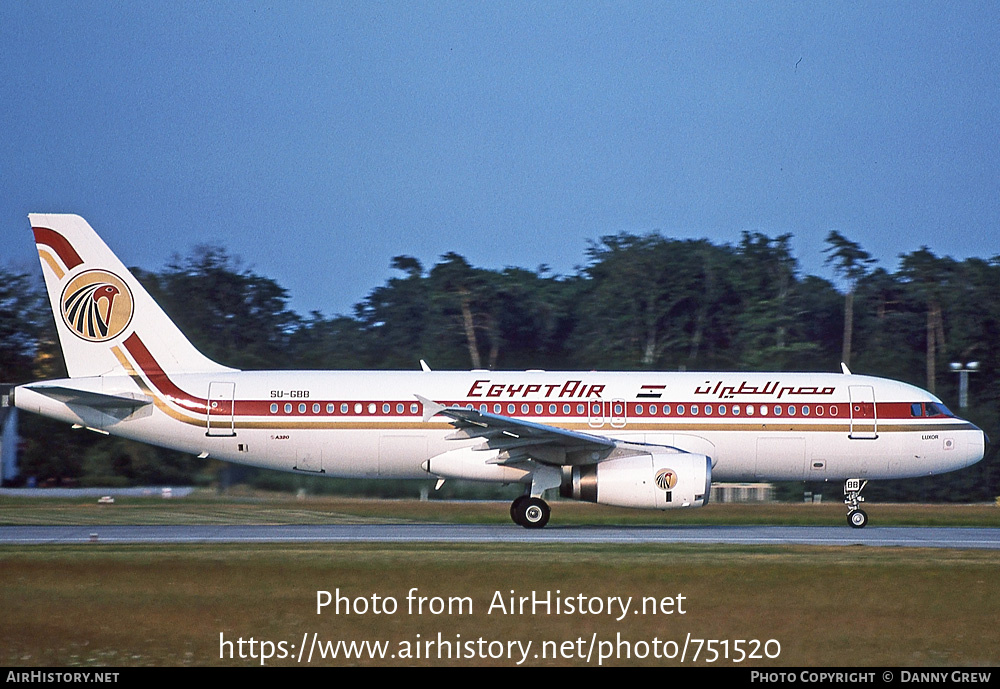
{"points": [[636, 439]]}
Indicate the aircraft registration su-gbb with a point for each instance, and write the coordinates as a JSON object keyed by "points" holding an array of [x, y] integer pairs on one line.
{"points": [[637, 439]]}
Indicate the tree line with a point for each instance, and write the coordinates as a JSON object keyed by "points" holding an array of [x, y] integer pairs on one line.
{"points": [[640, 302]]}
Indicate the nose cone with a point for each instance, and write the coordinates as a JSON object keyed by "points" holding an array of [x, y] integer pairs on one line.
{"points": [[978, 446], [985, 447]]}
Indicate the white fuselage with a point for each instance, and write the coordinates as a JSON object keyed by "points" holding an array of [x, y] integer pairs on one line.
{"points": [[768, 427]]}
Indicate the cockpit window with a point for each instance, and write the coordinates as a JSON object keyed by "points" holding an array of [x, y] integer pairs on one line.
{"points": [[916, 409], [938, 409]]}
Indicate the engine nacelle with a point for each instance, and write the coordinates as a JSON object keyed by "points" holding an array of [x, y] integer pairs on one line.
{"points": [[658, 481], [473, 465]]}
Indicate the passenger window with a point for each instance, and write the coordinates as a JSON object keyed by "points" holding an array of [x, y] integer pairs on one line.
{"points": [[736, 410], [343, 408], [552, 409], [833, 410], [749, 410], [618, 409], [357, 407], [371, 407], [538, 409], [288, 408], [524, 408], [805, 410], [819, 411], [274, 408], [579, 409], [329, 408], [414, 408], [777, 410], [666, 410], [316, 408], [680, 410], [566, 409], [722, 410], [638, 410], [497, 408], [302, 408], [763, 410], [511, 408], [708, 410], [399, 407]]}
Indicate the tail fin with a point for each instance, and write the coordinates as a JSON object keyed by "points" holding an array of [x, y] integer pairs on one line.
{"points": [[99, 307]]}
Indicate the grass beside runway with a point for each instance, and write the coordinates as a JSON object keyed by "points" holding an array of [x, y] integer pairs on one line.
{"points": [[108, 605]]}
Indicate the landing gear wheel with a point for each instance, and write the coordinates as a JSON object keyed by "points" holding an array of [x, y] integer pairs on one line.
{"points": [[517, 509], [857, 519], [533, 513]]}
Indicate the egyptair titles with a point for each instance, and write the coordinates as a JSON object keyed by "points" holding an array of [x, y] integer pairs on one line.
{"points": [[769, 389], [727, 392], [578, 389], [567, 389]]}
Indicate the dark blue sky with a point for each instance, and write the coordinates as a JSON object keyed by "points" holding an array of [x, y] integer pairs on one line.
{"points": [[318, 140]]}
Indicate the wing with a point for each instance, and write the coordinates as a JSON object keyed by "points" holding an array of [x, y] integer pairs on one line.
{"points": [[518, 440]]}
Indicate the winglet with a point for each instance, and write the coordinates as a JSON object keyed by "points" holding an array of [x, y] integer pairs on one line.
{"points": [[431, 408], [843, 367]]}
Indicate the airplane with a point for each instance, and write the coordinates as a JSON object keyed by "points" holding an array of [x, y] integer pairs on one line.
{"points": [[653, 440]]}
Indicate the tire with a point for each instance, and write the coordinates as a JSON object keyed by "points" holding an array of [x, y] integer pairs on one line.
{"points": [[857, 519], [517, 509]]}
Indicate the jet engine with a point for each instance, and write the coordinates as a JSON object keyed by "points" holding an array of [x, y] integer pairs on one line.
{"points": [[659, 481]]}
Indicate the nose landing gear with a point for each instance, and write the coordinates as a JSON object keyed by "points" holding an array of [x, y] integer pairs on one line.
{"points": [[856, 516]]}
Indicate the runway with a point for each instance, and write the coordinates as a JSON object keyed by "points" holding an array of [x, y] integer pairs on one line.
{"points": [[907, 537]]}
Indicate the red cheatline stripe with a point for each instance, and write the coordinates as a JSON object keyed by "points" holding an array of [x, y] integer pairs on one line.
{"points": [[53, 239], [159, 379]]}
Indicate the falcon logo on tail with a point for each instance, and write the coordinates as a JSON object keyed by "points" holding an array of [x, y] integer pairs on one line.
{"points": [[97, 305]]}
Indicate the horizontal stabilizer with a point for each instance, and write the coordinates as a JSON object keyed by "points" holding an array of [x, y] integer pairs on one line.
{"points": [[94, 400]]}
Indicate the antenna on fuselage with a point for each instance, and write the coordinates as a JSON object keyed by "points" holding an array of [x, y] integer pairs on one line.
{"points": [[843, 367]]}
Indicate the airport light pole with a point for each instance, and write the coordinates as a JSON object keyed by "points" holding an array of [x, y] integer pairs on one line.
{"points": [[963, 371]]}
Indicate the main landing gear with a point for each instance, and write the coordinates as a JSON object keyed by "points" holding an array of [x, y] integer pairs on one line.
{"points": [[529, 512], [856, 516]]}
